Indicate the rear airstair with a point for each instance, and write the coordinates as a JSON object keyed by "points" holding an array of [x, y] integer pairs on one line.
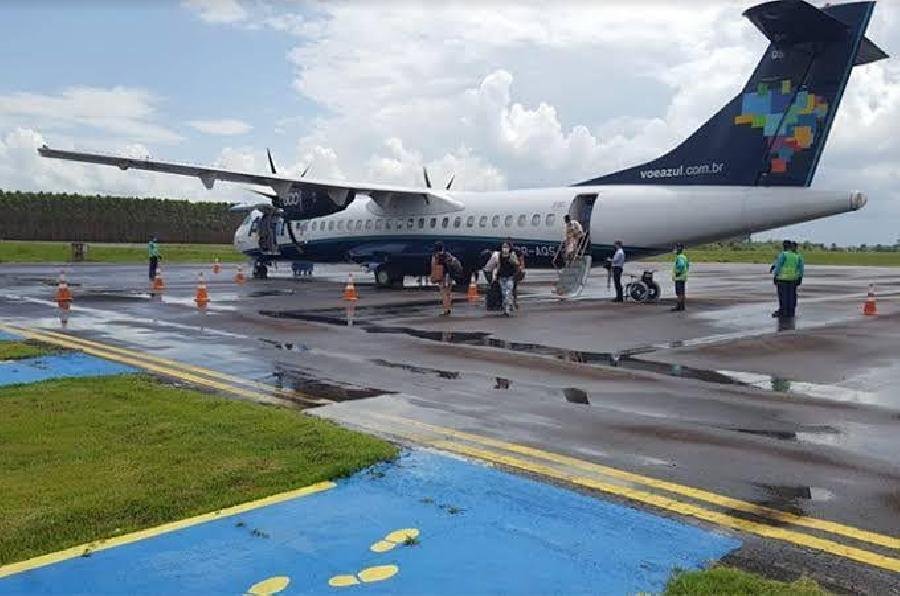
{"points": [[574, 274]]}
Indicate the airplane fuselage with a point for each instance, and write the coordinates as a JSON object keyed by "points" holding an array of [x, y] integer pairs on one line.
{"points": [[648, 219]]}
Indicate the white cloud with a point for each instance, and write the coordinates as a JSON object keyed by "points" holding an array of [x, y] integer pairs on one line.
{"points": [[225, 126], [218, 11], [120, 111], [502, 95]]}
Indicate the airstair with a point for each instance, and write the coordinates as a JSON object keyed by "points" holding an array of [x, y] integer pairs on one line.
{"points": [[574, 273]]}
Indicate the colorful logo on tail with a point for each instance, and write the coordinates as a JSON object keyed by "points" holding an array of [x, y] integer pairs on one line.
{"points": [[788, 118]]}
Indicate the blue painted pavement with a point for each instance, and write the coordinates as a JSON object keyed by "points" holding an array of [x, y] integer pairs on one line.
{"points": [[481, 531], [68, 364]]}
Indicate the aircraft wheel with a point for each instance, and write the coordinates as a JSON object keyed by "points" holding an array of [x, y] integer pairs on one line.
{"points": [[260, 271], [652, 292], [383, 277]]}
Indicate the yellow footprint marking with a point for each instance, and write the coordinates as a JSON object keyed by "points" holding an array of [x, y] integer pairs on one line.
{"points": [[378, 574], [342, 581], [270, 586], [394, 539], [367, 575]]}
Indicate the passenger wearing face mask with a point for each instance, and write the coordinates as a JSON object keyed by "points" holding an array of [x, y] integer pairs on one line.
{"points": [[506, 265]]}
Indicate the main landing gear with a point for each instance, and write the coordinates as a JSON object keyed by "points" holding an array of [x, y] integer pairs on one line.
{"points": [[388, 277]]}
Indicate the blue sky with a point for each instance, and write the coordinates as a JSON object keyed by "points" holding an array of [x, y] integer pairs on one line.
{"points": [[502, 95]]}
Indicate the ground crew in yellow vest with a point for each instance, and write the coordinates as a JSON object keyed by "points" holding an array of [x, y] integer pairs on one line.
{"points": [[788, 273], [680, 275], [153, 256]]}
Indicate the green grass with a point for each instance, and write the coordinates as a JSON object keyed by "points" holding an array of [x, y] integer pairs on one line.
{"points": [[91, 458], [725, 580], [16, 350], [765, 254], [17, 251]]}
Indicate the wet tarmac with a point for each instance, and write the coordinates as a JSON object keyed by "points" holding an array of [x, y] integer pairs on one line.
{"points": [[803, 418]]}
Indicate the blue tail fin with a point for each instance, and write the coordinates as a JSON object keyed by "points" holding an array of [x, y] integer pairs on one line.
{"points": [[772, 134]]}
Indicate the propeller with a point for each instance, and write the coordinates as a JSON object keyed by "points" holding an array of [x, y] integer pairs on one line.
{"points": [[427, 179], [450, 183], [272, 164]]}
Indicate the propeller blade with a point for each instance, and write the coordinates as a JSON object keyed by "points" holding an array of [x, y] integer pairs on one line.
{"points": [[305, 170], [269, 195], [271, 162], [450, 183], [427, 179]]}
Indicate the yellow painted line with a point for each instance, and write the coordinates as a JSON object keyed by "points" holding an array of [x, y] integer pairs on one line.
{"points": [[681, 508], [102, 353], [694, 493], [688, 491], [91, 547], [169, 363]]}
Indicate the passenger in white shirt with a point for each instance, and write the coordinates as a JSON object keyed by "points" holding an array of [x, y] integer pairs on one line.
{"points": [[618, 263]]}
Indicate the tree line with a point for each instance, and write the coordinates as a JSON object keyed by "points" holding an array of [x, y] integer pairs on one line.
{"points": [[67, 217]]}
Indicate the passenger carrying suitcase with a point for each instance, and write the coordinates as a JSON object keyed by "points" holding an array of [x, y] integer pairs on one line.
{"points": [[494, 298]]}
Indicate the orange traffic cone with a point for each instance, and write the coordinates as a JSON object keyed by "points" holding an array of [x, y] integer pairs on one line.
{"points": [[202, 297], [472, 293], [158, 283], [239, 276], [350, 289], [63, 294], [869, 307], [216, 266]]}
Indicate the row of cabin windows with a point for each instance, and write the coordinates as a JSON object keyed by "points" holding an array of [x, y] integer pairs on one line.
{"points": [[411, 223]]}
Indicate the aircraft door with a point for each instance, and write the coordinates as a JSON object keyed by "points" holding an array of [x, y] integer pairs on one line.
{"points": [[582, 209]]}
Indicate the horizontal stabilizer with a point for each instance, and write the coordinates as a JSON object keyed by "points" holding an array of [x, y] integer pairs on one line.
{"points": [[786, 22], [868, 52]]}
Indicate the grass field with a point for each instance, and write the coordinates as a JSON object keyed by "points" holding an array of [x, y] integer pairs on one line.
{"points": [[724, 580], [16, 251], [763, 254], [84, 459], [15, 350]]}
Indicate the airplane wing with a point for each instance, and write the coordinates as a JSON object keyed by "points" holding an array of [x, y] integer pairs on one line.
{"points": [[299, 197]]}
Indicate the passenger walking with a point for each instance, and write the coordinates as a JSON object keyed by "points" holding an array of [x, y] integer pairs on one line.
{"points": [[506, 265], [574, 234], [153, 254], [520, 274], [788, 274], [617, 263], [680, 275], [443, 264]]}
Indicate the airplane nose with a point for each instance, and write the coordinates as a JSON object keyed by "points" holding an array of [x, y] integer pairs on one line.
{"points": [[858, 200]]}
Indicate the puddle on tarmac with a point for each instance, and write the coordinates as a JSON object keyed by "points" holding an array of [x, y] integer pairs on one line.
{"points": [[303, 383], [624, 359], [574, 395], [792, 498], [444, 374], [267, 293], [286, 345], [627, 359], [803, 433]]}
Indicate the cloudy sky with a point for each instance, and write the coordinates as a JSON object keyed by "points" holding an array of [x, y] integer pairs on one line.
{"points": [[504, 95]]}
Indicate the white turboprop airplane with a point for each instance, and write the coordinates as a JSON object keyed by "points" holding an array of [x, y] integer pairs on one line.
{"points": [[747, 169]]}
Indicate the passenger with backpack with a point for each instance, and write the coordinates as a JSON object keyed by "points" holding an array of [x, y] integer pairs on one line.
{"points": [[505, 264], [444, 266]]}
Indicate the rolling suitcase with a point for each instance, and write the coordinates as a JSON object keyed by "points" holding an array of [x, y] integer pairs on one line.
{"points": [[494, 299]]}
